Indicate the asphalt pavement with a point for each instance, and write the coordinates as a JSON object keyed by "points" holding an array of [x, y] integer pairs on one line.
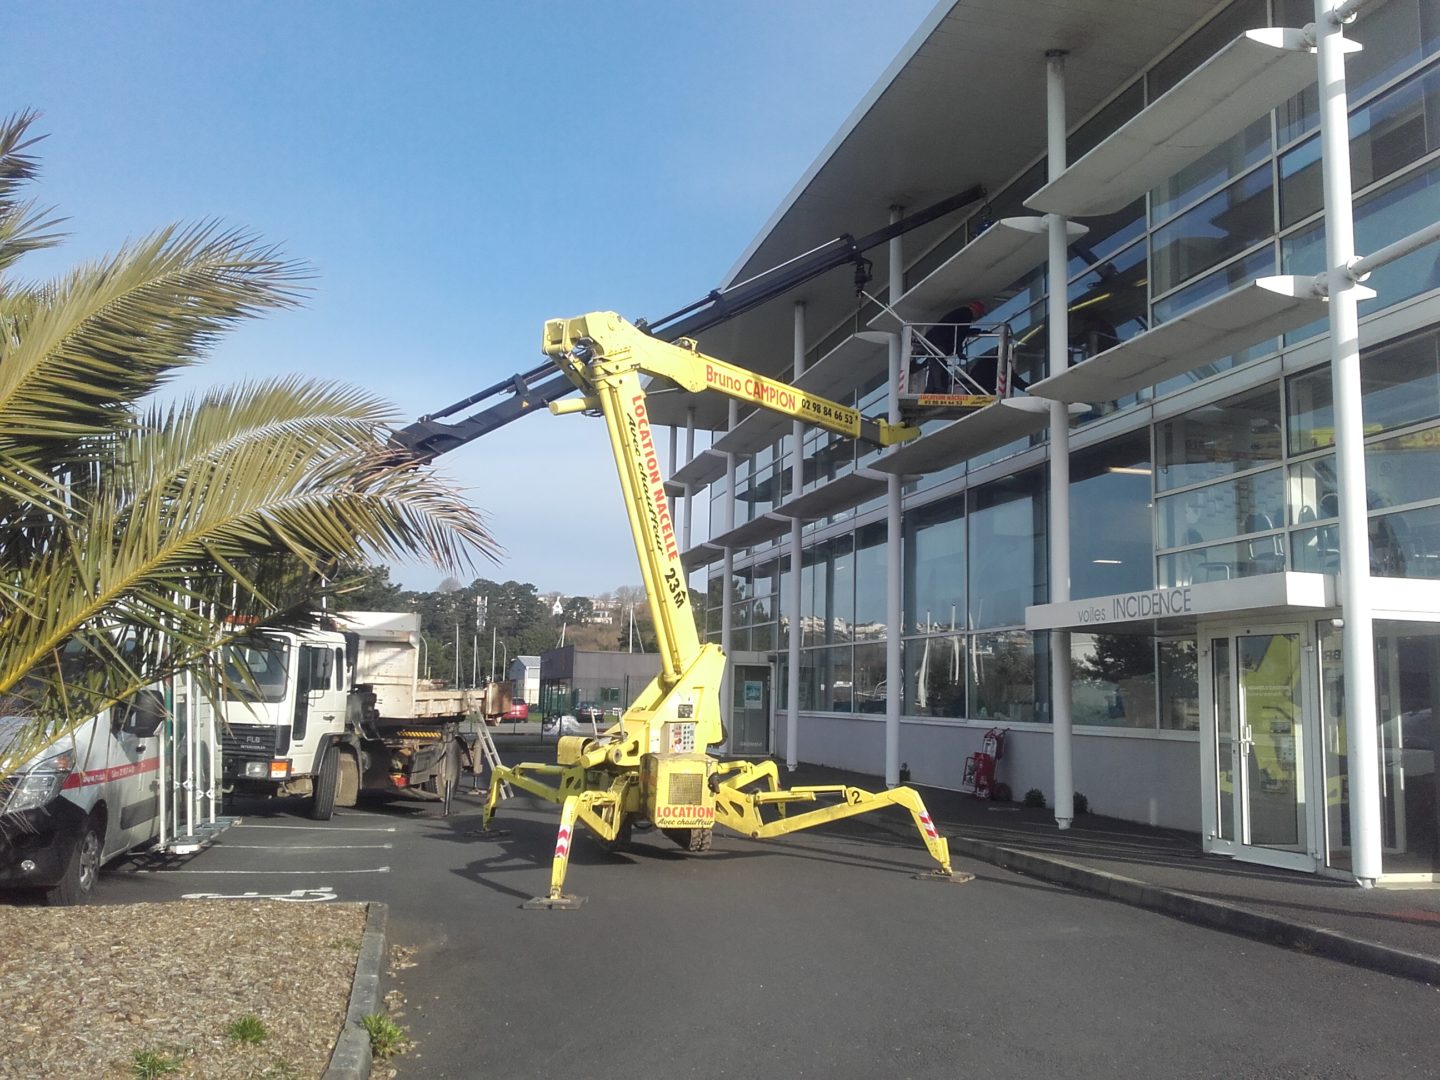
{"points": [[812, 955]]}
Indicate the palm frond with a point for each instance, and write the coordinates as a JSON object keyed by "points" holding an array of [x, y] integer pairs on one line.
{"points": [[111, 332], [183, 505]]}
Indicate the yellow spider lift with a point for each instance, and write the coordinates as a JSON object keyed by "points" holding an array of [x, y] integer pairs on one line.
{"points": [[653, 764]]}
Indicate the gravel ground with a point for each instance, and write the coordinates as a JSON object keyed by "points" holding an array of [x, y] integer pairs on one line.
{"points": [[91, 991]]}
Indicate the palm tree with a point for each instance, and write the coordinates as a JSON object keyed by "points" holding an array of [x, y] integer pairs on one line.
{"points": [[134, 533]]}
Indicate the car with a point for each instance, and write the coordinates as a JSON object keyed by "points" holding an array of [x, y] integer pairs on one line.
{"points": [[588, 711], [518, 711]]}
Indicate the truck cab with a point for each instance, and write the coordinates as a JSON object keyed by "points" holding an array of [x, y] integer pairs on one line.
{"points": [[286, 709]]}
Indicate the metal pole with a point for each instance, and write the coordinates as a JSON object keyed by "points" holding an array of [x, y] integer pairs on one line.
{"points": [[1357, 636], [1059, 517], [727, 586], [211, 742], [457, 651], [160, 779], [797, 484], [494, 640], [1398, 250], [191, 787], [893, 543]]}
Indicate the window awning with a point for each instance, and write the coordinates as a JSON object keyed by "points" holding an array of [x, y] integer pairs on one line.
{"points": [[755, 531], [699, 472], [702, 554], [989, 429], [1253, 74], [841, 494], [847, 366], [998, 257], [1265, 308]]}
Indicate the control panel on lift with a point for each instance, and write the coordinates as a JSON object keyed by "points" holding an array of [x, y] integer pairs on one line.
{"points": [[955, 369]]}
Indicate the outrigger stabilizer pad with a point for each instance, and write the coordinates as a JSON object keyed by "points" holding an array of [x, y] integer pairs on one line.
{"points": [[554, 903], [940, 877], [489, 834]]}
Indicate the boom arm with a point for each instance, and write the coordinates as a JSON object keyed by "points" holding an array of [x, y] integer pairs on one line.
{"points": [[605, 357], [428, 437]]}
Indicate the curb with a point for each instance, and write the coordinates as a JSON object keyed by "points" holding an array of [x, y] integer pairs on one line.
{"points": [[350, 1059], [1215, 914]]}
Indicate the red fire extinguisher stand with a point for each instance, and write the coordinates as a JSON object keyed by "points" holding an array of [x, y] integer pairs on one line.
{"points": [[979, 777]]}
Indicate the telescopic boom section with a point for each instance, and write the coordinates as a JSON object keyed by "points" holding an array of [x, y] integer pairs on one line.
{"points": [[605, 339]]}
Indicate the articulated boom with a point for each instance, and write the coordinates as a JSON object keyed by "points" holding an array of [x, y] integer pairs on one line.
{"points": [[653, 765]]}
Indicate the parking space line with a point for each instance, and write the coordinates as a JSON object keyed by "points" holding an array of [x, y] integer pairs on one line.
{"points": [[303, 847], [327, 828], [263, 873]]}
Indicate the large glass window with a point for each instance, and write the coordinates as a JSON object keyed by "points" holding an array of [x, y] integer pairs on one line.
{"points": [[935, 676], [1381, 217], [868, 689], [827, 591], [1179, 686], [1007, 549], [870, 584], [1400, 126], [1113, 680], [1108, 234], [1249, 504], [934, 566], [1219, 440], [1110, 531], [1395, 35], [1399, 386], [1010, 677], [1108, 304], [1225, 224]]}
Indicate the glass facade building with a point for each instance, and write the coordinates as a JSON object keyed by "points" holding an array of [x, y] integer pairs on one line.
{"points": [[1201, 481]]}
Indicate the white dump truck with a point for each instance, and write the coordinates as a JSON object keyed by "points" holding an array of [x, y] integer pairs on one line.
{"points": [[333, 712]]}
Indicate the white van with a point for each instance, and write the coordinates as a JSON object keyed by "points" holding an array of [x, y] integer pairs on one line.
{"points": [[93, 795]]}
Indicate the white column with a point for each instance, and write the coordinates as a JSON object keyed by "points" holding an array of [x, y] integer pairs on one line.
{"points": [[727, 587], [893, 543], [792, 602], [1357, 637], [1058, 520]]}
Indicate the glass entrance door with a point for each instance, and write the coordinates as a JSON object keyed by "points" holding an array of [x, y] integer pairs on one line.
{"points": [[1259, 776], [750, 710]]}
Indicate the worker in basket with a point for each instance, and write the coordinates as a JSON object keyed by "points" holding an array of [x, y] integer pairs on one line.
{"points": [[932, 373]]}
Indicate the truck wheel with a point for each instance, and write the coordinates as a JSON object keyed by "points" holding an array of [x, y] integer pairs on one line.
{"points": [[695, 840], [322, 803], [447, 772], [82, 871], [449, 779]]}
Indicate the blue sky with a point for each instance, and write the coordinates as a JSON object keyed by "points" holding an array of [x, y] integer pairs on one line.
{"points": [[456, 173]]}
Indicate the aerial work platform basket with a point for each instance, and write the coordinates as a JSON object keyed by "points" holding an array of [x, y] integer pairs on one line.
{"points": [[956, 368]]}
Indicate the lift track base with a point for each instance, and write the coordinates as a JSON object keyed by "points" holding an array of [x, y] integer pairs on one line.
{"points": [[554, 903]]}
